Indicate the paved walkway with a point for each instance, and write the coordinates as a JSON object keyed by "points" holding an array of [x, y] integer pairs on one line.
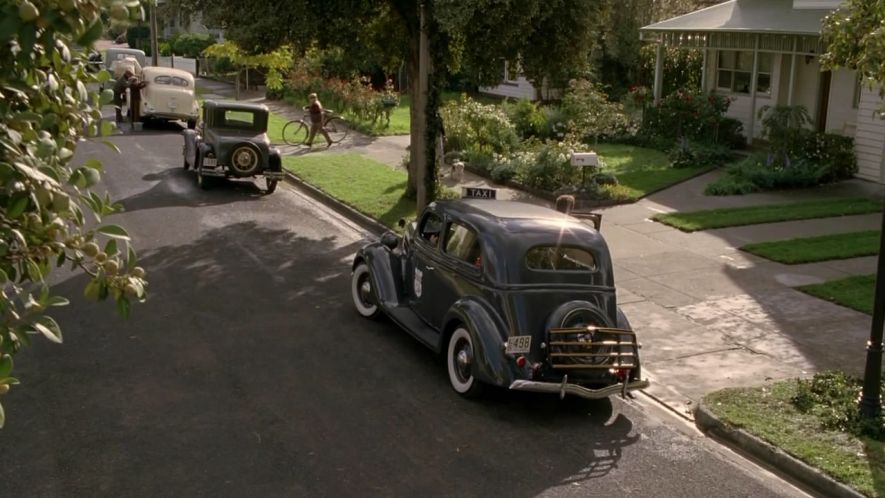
{"points": [[708, 315]]}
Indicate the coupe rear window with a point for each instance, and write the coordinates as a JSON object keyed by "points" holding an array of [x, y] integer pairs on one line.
{"points": [[558, 258], [239, 119]]}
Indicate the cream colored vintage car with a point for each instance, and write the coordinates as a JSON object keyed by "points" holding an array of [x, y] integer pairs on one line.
{"points": [[168, 95]]}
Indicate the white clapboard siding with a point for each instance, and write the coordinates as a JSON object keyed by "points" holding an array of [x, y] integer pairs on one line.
{"points": [[518, 89], [740, 110], [869, 137]]}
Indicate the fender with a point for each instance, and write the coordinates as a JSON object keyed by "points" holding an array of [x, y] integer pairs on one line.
{"points": [[489, 332], [274, 161], [385, 272]]}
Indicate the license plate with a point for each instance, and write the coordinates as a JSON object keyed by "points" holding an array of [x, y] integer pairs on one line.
{"points": [[519, 344], [210, 161]]}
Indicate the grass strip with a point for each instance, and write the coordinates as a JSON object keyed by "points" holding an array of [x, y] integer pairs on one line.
{"points": [[814, 249], [853, 292], [769, 213], [768, 413], [640, 171], [372, 188]]}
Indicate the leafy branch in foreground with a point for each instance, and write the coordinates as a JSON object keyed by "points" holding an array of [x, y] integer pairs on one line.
{"points": [[44, 198]]}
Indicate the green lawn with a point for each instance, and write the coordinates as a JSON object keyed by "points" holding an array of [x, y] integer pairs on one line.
{"points": [[813, 249], [641, 171], [770, 213], [853, 292], [370, 187], [275, 124], [768, 413]]}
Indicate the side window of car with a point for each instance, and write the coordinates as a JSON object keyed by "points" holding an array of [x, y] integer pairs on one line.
{"points": [[559, 258], [462, 243], [431, 228], [163, 80]]}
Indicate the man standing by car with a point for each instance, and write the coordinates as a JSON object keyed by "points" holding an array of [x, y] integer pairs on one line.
{"points": [[120, 87]]}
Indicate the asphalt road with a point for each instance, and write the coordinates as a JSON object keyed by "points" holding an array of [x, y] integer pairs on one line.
{"points": [[247, 373]]}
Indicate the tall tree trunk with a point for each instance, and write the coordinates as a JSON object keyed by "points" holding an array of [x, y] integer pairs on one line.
{"points": [[414, 113]]}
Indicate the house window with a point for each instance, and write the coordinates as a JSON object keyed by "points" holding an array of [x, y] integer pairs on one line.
{"points": [[511, 73], [735, 70]]}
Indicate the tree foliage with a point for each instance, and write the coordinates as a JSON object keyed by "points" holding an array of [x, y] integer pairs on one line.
{"points": [[855, 38], [275, 63], [44, 197]]}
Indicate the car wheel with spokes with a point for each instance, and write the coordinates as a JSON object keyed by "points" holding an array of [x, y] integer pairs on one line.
{"points": [[460, 358], [363, 293], [245, 159]]}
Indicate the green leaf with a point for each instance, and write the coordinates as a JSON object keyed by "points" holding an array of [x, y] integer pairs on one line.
{"points": [[123, 307], [115, 231], [62, 257], [34, 271], [93, 164], [92, 289], [2, 416], [5, 365], [111, 248], [104, 76], [57, 301], [17, 205], [3, 277], [49, 328], [131, 260], [112, 145], [92, 34], [107, 128]]}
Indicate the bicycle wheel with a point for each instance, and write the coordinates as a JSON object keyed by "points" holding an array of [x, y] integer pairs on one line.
{"points": [[337, 129], [295, 132]]}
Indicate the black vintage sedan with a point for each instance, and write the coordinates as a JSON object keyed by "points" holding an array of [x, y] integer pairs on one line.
{"points": [[512, 294]]}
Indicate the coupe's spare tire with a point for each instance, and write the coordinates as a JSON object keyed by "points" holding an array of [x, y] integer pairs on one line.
{"points": [[245, 159]]}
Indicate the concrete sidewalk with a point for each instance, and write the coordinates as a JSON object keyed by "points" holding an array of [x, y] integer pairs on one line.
{"points": [[708, 315]]}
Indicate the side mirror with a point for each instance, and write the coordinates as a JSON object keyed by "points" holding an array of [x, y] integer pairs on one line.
{"points": [[401, 223], [390, 240]]}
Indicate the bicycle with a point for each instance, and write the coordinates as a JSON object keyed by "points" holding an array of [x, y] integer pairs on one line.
{"points": [[295, 132]]}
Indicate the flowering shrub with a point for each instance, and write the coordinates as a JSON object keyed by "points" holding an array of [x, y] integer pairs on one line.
{"points": [[469, 123], [684, 114], [529, 120], [353, 97], [591, 114], [551, 168]]}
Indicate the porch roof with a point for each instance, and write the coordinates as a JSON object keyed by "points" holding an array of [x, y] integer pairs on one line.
{"points": [[746, 16]]}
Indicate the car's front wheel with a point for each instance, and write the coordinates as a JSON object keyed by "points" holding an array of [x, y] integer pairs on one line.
{"points": [[362, 292], [460, 359]]}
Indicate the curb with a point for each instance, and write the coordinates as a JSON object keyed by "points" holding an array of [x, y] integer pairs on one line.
{"points": [[771, 455], [366, 223]]}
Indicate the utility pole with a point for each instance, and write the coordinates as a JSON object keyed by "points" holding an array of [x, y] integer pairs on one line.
{"points": [[870, 402], [419, 139], [155, 48]]}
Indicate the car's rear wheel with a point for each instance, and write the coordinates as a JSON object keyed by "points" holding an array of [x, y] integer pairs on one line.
{"points": [[362, 292], [271, 185], [460, 359], [245, 159], [202, 181]]}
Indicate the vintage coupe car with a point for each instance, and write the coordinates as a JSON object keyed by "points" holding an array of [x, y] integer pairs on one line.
{"points": [[168, 95], [115, 60], [231, 142], [512, 294]]}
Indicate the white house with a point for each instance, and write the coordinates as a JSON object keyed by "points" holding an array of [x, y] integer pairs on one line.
{"points": [[515, 86], [764, 52]]}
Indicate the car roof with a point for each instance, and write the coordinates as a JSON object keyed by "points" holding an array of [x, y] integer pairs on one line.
{"points": [[151, 71], [235, 106], [489, 214]]}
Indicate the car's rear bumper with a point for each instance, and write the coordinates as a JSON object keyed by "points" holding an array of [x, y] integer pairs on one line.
{"points": [[564, 388]]}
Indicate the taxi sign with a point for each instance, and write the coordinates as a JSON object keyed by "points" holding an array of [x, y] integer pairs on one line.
{"points": [[478, 193]]}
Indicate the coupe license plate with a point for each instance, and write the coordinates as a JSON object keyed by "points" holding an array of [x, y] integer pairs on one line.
{"points": [[210, 161], [519, 344]]}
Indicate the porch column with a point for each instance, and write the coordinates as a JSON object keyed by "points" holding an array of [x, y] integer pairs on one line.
{"points": [[704, 63], [792, 72], [659, 72], [753, 86]]}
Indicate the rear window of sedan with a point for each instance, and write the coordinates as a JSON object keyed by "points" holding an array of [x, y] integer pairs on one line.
{"points": [[560, 258], [171, 80]]}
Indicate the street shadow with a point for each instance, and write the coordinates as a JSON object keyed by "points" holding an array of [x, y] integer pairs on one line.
{"points": [[176, 187], [247, 370]]}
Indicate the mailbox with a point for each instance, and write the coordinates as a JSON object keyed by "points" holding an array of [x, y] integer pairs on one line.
{"points": [[582, 159]]}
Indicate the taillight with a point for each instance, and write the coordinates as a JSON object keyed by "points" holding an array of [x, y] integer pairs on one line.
{"points": [[521, 361], [619, 373]]}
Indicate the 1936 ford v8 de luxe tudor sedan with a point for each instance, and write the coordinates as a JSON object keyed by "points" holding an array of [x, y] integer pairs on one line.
{"points": [[511, 294], [231, 141]]}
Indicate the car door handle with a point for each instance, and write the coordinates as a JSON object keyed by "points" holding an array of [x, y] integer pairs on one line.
{"points": [[429, 268]]}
